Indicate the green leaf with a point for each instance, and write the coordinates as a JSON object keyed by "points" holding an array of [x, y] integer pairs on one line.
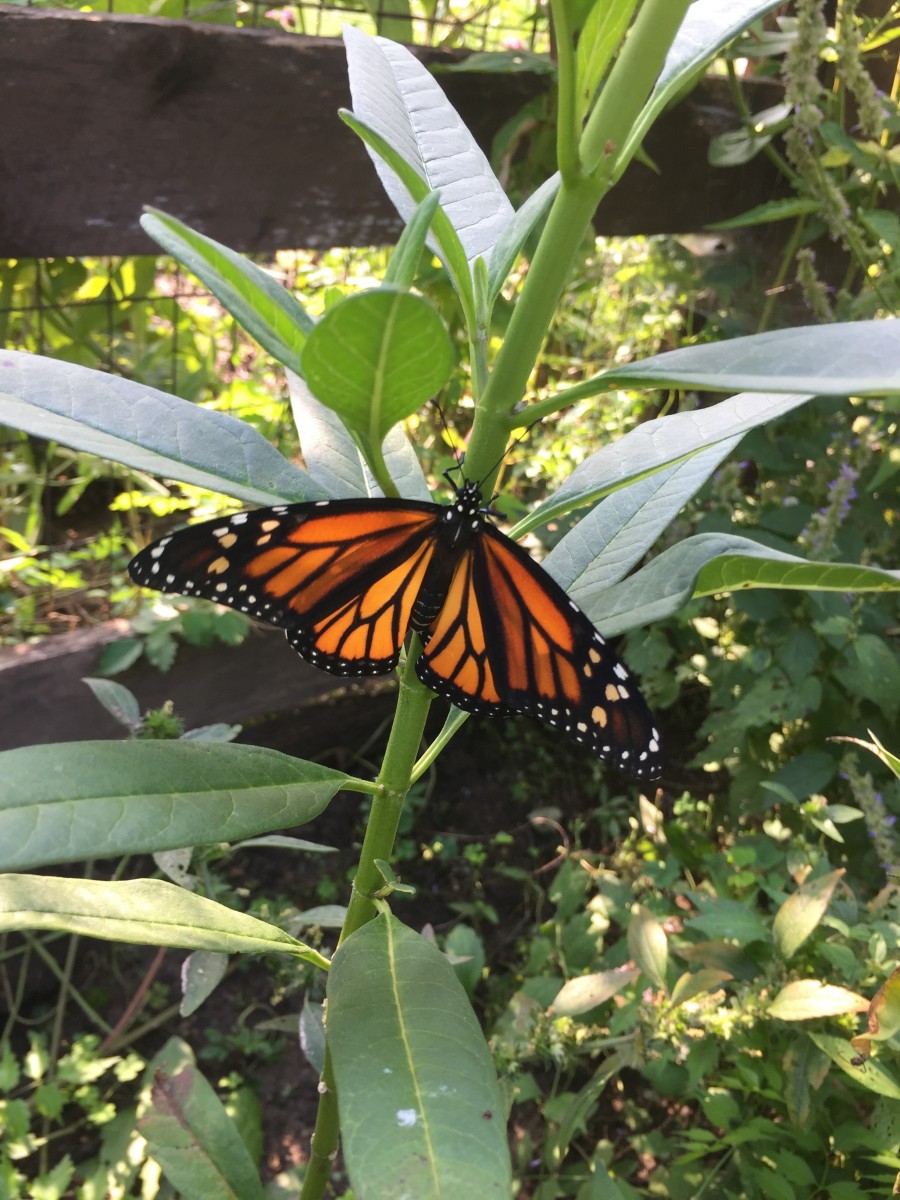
{"points": [[421, 1112], [334, 460], [80, 800], [404, 262], [801, 912], [376, 357], [399, 100], [192, 1137], [711, 563], [706, 29], [656, 444], [597, 43], [118, 701], [201, 974], [145, 429], [516, 231], [772, 210], [257, 301], [148, 912], [618, 532], [584, 992], [805, 999], [728, 919], [872, 1074], [739, 146], [648, 946], [850, 358], [689, 985]]}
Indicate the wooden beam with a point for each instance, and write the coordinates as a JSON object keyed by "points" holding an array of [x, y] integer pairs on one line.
{"points": [[236, 132]]}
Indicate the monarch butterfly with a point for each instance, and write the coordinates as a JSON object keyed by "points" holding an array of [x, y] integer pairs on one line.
{"points": [[348, 579]]}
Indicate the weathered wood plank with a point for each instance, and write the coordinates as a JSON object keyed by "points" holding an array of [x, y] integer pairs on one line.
{"points": [[237, 133], [43, 698]]}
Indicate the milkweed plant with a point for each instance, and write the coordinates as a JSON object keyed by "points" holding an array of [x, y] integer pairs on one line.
{"points": [[408, 1088]]}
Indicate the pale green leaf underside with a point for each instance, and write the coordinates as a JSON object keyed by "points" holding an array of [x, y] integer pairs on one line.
{"points": [[145, 911], [394, 94], [144, 428], [711, 563], [401, 1030], [657, 444], [851, 358], [77, 800]]}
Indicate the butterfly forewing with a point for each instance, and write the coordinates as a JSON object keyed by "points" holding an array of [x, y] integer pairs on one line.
{"points": [[340, 577]]}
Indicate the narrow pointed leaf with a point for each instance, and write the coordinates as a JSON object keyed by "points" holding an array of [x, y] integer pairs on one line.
{"points": [[806, 999], [394, 94], [145, 428], [657, 444], [376, 357], [710, 563], [201, 973], [802, 911], [516, 232], [148, 912], [78, 800], [421, 1111], [257, 302], [648, 945], [603, 547], [584, 992], [875, 1076], [851, 358]]}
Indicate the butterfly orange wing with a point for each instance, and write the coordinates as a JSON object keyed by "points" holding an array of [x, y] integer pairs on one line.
{"points": [[339, 576], [509, 639]]}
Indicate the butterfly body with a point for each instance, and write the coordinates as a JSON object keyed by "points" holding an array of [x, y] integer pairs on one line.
{"points": [[348, 579]]}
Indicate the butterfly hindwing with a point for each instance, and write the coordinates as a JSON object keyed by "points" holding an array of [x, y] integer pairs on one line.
{"points": [[340, 577], [508, 639]]}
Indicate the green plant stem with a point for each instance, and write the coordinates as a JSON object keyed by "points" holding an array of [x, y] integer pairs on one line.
{"points": [[630, 83], [393, 782], [627, 89]]}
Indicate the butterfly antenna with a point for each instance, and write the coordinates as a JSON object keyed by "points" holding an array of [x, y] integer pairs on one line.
{"points": [[521, 438]]}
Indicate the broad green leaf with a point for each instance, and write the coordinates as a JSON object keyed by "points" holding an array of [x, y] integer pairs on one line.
{"points": [[712, 563], [654, 445], [707, 28], [516, 231], [802, 912], [192, 1137], [148, 912], [376, 357], [850, 358], [146, 429], [421, 1111], [334, 460], [444, 240], [80, 800], [257, 302], [720, 918], [584, 992], [872, 1074], [805, 999], [605, 544], [603, 1186], [648, 945], [772, 210], [397, 97]]}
